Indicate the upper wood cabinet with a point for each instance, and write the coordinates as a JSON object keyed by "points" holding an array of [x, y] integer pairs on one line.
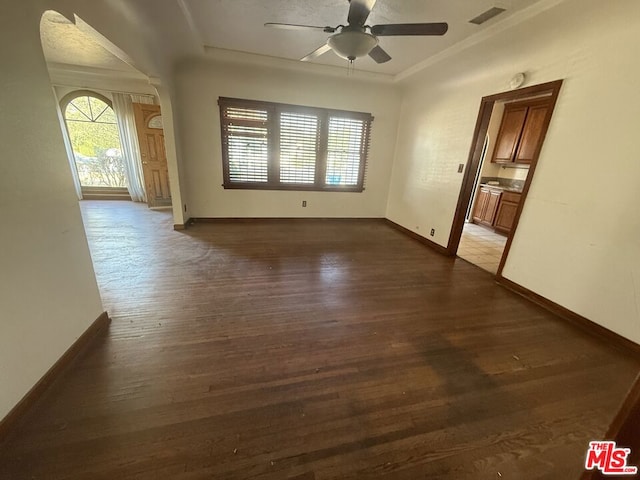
{"points": [[509, 134], [520, 136], [531, 138]]}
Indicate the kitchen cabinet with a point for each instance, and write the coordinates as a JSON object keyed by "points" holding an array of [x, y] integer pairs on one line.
{"points": [[480, 205], [509, 134], [506, 213], [519, 139], [486, 206]]}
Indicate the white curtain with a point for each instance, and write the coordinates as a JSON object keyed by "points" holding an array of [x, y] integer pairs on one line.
{"points": [[148, 99], [69, 149], [123, 108]]}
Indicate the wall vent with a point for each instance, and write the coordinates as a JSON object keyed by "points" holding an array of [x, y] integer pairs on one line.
{"points": [[488, 15]]}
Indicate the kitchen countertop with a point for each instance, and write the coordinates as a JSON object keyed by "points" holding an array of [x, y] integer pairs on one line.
{"points": [[501, 187]]}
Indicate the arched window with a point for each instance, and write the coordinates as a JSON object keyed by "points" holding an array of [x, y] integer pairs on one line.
{"points": [[95, 140]]}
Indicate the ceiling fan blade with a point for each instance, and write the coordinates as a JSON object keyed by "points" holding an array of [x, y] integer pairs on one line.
{"points": [[379, 55], [359, 11], [316, 53], [410, 29], [291, 26]]}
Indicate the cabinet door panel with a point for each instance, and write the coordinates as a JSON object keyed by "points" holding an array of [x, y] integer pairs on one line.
{"points": [[505, 216], [480, 205], [492, 206], [509, 134], [531, 134]]}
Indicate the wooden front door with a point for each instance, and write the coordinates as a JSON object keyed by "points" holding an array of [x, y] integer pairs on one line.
{"points": [[154, 157]]}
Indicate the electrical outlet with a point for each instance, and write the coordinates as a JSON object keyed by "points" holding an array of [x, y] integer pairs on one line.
{"points": [[304, 203], [460, 168], [433, 232]]}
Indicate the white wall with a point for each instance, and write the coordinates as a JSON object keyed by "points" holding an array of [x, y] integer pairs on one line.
{"points": [[578, 239], [200, 83], [48, 291], [513, 173], [489, 169], [173, 146]]}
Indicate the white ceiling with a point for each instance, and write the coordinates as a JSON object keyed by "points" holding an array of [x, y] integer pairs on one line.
{"points": [[64, 43], [238, 25]]}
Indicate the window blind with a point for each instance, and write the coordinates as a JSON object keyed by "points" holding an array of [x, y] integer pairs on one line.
{"points": [[345, 149], [298, 147], [247, 145], [290, 147]]}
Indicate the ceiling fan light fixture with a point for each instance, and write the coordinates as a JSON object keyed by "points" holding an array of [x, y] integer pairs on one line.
{"points": [[352, 44]]}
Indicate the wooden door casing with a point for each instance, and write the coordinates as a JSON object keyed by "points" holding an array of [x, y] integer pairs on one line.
{"points": [[550, 92], [154, 157]]}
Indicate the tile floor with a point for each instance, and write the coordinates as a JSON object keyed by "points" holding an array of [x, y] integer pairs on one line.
{"points": [[481, 246]]}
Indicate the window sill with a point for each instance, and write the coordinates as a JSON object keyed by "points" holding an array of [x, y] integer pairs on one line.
{"points": [[292, 188]]}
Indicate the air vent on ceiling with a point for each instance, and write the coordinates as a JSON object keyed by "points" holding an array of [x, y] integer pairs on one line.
{"points": [[488, 15]]}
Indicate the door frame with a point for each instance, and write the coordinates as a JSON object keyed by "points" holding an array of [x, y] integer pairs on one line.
{"points": [[473, 162]]}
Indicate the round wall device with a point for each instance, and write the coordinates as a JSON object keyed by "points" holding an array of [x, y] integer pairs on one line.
{"points": [[517, 80]]}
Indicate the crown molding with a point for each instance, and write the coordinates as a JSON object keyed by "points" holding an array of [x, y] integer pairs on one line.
{"points": [[95, 71], [244, 58], [509, 22], [94, 77]]}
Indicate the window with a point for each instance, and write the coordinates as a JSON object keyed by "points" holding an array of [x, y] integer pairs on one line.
{"points": [[288, 147], [93, 131]]}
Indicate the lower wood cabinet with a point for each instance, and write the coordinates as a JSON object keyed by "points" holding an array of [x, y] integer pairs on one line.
{"points": [[506, 212], [495, 208], [486, 206]]}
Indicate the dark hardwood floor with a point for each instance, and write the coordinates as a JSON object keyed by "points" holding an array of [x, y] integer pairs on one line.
{"points": [[312, 350]]}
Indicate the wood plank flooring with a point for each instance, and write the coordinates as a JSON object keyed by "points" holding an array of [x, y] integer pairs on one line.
{"points": [[312, 350]]}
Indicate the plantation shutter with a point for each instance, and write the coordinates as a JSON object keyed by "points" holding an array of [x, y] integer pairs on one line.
{"points": [[347, 148], [277, 146], [246, 141], [299, 139]]}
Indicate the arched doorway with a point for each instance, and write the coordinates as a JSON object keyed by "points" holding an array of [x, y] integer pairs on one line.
{"points": [[93, 132]]}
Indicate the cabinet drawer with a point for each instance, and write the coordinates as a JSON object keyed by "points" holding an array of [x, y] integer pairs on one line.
{"points": [[511, 197]]}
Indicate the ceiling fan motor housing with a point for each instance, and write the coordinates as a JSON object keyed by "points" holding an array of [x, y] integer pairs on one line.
{"points": [[352, 42]]}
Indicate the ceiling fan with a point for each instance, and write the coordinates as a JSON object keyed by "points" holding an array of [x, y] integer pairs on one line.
{"points": [[356, 39]]}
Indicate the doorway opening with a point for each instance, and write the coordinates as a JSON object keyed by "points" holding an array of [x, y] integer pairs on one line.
{"points": [[507, 141], [100, 127]]}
